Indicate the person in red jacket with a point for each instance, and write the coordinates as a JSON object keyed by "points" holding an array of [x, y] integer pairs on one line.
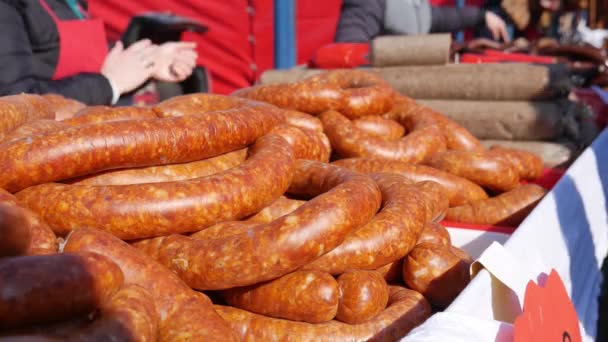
{"points": [[52, 46]]}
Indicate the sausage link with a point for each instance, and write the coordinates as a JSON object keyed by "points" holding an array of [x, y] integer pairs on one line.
{"points": [[42, 239], [33, 128], [82, 150], [389, 236], [130, 315], [460, 190], [529, 165], [194, 104], [435, 233], [282, 206], [436, 200], [63, 107], [184, 314], [386, 129], [37, 289], [351, 92], [363, 295], [218, 230], [303, 120], [406, 310], [349, 141], [348, 201], [392, 272], [148, 210], [307, 144], [14, 231], [308, 296], [508, 208], [440, 273], [166, 173], [16, 110], [482, 168]]}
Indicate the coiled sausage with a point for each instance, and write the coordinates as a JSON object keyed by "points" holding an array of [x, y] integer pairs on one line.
{"points": [[363, 295]]}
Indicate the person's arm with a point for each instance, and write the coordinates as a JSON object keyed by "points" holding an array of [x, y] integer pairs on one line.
{"points": [[360, 20], [452, 19], [16, 67]]}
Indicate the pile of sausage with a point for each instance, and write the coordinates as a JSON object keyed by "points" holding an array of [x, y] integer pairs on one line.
{"points": [[212, 217]]}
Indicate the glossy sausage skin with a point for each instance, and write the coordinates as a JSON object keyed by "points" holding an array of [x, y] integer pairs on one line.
{"points": [[16, 110], [389, 236], [529, 166], [436, 200], [15, 234], [347, 200], [508, 208], [307, 144], [440, 273], [386, 129], [482, 168], [33, 128], [363, 295], [81, 150], [282, 206], [349, 141], [148, 210], [46, 288], [459, 190], [406, 310], [42, 239], [166, 173], [351, 92], [184, 314], [307, 296], [435, 233], [303, 120]]}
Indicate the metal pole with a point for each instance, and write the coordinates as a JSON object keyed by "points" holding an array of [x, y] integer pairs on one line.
{"points": [[460, 34], [284, 34]]}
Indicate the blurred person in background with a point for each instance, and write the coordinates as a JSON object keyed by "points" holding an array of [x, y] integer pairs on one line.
{"points": [[363, 20], [52, 46]]}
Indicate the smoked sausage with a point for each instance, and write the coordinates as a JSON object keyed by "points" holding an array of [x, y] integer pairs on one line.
{"points": [[33, 128], [87, 149], [148, 210], [406, 309], [184, 314], [282, 206], [303, 120], [347, 201], [482, 168], [363, 295], [16, 110], [460, 191], [440, 273], [308, 296], [46, 288], [435, 233], [508, 208], [63, 107], [99, 114], [15, 234], [529, 165], [389, 236], [378, 126]]}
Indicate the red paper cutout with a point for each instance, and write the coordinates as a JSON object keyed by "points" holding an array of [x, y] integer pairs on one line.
{"points": [[549, 314]]}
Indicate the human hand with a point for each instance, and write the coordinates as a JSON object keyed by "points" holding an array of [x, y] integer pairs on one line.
{"points": [[174, 61], [497, 27], [127, 69]]}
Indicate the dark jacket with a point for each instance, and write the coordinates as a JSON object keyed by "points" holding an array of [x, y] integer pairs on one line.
{"points": [[363, 20], [29, 50]]}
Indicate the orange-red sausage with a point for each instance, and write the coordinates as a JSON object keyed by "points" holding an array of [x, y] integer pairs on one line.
{"points": [[16, 110], [182, 311], [440, 273], [33, 128], [460, 190], [308, 296], [509, 208], [389, 236], [435, 233], [347, 201], [15, 234], [363, 295], [156, 209], [98, 114], [529, 166], [303, 120], [63, 107], [282, 206], [386, 129], [406, 310], [482, 168]]}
